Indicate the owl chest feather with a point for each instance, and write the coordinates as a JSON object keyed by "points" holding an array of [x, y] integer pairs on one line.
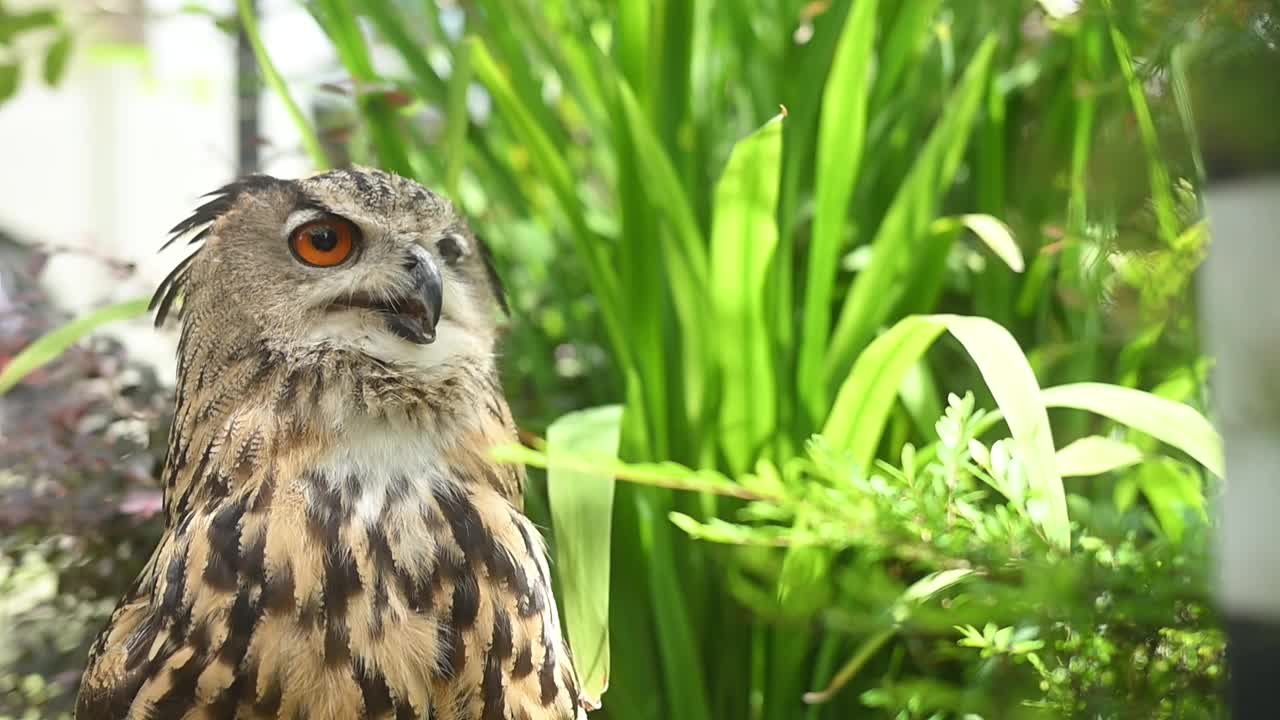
{"points": [[382, 571], [430, 576]]}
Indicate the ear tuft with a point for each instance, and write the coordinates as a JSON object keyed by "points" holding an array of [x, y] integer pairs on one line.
{"points": [[203, 218], [224, 198]]}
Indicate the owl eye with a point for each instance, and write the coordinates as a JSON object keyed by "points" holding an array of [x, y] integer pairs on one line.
{"points": [[325, 242], [451, 247]]}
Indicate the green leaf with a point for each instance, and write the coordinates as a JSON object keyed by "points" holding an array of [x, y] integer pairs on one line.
{"points": [[49, 346], [971, 634], [896, 250], [744, 237], [863, 403], [995, 234], [10, 77], [866, 397], [581, 513], [684, 250], [932, 584], [1170, 422], [1003, 636], [271, 76], [841, 134], [456, 127], [1095, 455], [550, 163], [55, 59], [1014, 386], [719, 531], [1174, 492], [13, 24], [668, 475]]}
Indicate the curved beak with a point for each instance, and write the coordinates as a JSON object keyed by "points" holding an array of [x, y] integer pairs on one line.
{"points": [[414, 315], [425, 301]]}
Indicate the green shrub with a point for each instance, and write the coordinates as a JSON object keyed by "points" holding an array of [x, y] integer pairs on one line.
{"points": [[818, 527]]}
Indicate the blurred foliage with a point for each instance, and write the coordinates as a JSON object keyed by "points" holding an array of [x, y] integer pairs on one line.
{"points": [[52, 36], [1117, 624], [78, 501], [737, 276]]}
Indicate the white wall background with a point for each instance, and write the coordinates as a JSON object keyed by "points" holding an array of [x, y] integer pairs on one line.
{"points": [[121, 151]]}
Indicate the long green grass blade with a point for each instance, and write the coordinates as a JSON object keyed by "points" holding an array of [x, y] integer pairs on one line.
{"points": [[1171, 422], [548, 160], [909, 33], [642, 280], [52, 344], [992, 232], [866, 397], [841, 131], [505, 41], [663, 185], [271, 76], [683, 665], [744, 237], [393, 28], [685, 252], [581, 513], [1096, 455], [1157, 172], [897, 244], [551, 164], [632, 44], [1009, 377], [670, 59], [458, 120], [636, 691]]}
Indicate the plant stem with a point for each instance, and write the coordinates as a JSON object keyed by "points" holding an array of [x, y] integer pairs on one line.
{"points": [[273, 80]]}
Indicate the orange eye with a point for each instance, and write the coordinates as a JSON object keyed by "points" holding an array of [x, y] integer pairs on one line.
{"points": [[324, 243]]}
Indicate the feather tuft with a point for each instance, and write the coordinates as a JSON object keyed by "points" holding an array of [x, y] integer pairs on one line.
{"points": [[202, 219]]}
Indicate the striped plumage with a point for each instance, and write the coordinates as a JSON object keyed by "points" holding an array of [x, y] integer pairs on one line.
{"points": [[338, 543]]}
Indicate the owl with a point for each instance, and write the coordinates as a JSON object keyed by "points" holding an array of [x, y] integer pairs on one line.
{"points": [[337, 541]]}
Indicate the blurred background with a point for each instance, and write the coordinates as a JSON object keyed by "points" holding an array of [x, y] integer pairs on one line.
{"points": [[896, 300], [142, 120]]}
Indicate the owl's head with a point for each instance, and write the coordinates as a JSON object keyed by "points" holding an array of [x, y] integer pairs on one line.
{"points": [[357, 259]]}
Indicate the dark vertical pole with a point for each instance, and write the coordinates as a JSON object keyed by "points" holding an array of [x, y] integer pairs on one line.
{"points": [[247, 123], [1236, 97]]}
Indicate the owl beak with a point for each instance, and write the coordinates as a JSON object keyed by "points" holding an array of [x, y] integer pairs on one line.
{"points": [[428, 288], [414, 315]]}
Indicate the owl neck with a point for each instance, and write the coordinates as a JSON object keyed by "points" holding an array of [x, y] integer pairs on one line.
{"points": [[243, 418]]}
